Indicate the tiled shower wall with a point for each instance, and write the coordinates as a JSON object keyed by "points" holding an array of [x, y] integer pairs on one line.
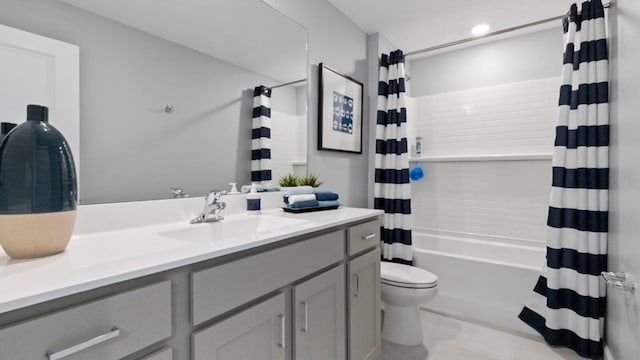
{"points": [[288, 144], [505, 119], [489, 198]]}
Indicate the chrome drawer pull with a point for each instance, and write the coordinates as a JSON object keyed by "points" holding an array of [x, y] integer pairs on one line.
{"points": [[114, 333], [305, 328], [282, 334], [368, 237], [357, 283]]}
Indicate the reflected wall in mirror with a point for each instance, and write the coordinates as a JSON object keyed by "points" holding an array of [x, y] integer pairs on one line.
{"points": [[289, 131], [203, 59]]}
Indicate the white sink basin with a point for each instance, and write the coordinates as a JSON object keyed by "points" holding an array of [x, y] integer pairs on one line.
{"points": [[233, 228]]}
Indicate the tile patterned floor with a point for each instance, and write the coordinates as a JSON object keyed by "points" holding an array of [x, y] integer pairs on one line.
{"points": [[447, 338]]}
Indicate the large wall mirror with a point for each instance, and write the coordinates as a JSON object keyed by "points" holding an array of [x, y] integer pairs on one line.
{"points": [[166, 90]]}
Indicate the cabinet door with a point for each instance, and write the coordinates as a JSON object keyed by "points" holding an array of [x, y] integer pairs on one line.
{"points": [[257, 333], [164, 354], [320, 317], [38, 70], [364, 307]]}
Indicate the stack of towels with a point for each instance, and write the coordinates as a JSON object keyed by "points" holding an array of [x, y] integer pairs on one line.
{"points": [[306, 197]]}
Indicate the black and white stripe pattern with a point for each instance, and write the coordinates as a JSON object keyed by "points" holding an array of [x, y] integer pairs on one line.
{"points": [[261, 135], [568, 303], [392, 190]]}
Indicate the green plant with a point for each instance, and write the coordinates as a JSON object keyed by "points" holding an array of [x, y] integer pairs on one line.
{"points": [[289, 180], [309, 180]]}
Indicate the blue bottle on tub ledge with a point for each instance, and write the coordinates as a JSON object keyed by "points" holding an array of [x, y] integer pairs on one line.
{"points": [[38, 188]]}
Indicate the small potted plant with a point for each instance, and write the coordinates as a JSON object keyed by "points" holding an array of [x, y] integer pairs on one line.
{"points": [[292, 180], [309, 180], [289, 180]]}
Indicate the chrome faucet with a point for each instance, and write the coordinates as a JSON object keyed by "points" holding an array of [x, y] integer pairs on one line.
{"points": [[178, 193], [211, 210]]}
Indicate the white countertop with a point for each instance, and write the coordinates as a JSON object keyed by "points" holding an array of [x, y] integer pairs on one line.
{"points": [[95, 259]]}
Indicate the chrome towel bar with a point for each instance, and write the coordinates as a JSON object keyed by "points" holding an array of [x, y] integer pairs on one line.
{"points": [[619, 281]]}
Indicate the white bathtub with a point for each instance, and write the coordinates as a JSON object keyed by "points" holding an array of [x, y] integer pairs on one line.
{"points": [[481, 279]]}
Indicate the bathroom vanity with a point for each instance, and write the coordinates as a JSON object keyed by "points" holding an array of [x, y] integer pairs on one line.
{"points": [[271, 286]]}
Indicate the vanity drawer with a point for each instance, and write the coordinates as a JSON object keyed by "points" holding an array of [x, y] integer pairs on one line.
{"points": [[110, 328], [363, 237], [227, 286]]}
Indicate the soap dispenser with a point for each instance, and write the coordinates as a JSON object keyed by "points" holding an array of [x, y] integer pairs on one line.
{"points": [[253, 201], [234, 189]]}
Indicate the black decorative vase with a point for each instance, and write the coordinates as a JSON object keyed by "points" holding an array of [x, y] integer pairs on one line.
{"points": [[38, 188]]}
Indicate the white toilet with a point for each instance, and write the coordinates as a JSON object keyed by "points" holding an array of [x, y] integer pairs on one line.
{"points": [[403, 288]]}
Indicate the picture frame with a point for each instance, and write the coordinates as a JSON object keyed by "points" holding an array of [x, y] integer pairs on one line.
{"points": [[339, 112]]}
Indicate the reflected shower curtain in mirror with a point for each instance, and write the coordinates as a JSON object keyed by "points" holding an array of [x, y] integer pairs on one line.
{"points": [[392, 189], [261, 136], [568, 303]]}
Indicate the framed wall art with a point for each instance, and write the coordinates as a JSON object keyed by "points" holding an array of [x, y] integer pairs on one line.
{"points": [[339, 112]]}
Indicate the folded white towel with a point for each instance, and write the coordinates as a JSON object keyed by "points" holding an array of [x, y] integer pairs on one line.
{"points": [[298, 190], [304, 197]]}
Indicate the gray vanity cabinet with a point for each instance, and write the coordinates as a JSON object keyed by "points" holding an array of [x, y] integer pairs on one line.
{"points": [[319, 307], [220, 289], [256, 333], [331, 290], [364, 292], [312, 297]]}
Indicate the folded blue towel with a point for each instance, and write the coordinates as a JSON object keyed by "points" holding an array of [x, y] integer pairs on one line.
{"points": [[298, 190], [328, 203], [304, 204], [326, 196]]}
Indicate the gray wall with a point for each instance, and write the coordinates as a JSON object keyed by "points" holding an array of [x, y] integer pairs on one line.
{"points": [[339, 43], [301, 100], [527, 57], [130, 149], [623, 309]]}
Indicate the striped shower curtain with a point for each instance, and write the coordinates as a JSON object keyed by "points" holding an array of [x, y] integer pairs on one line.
{"points": [[568, 302], [261, 136], [392, 190]]}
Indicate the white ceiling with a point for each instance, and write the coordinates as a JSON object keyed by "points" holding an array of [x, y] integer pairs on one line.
{"points": [[247, 33], [416, 24]]}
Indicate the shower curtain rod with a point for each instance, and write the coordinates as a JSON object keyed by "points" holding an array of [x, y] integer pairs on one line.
{"points": [[286, 84], [494, 33]]}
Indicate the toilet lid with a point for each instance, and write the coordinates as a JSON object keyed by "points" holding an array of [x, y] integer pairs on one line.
{"points": [[406, 276]]}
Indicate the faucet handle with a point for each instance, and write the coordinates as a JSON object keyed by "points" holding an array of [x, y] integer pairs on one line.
{"points": [[216, 195]]}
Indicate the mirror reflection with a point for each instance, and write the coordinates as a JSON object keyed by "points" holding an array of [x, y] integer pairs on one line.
{"points": [[289, 131], [166, 90]]}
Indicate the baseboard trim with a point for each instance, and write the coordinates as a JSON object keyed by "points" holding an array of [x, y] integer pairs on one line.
{"points": [[607, 352]]}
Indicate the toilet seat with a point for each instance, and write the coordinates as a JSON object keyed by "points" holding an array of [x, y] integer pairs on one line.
{"points": [[406, 276]]}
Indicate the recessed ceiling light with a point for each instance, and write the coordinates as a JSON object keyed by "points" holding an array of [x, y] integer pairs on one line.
{"points": [[480, 29]]}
